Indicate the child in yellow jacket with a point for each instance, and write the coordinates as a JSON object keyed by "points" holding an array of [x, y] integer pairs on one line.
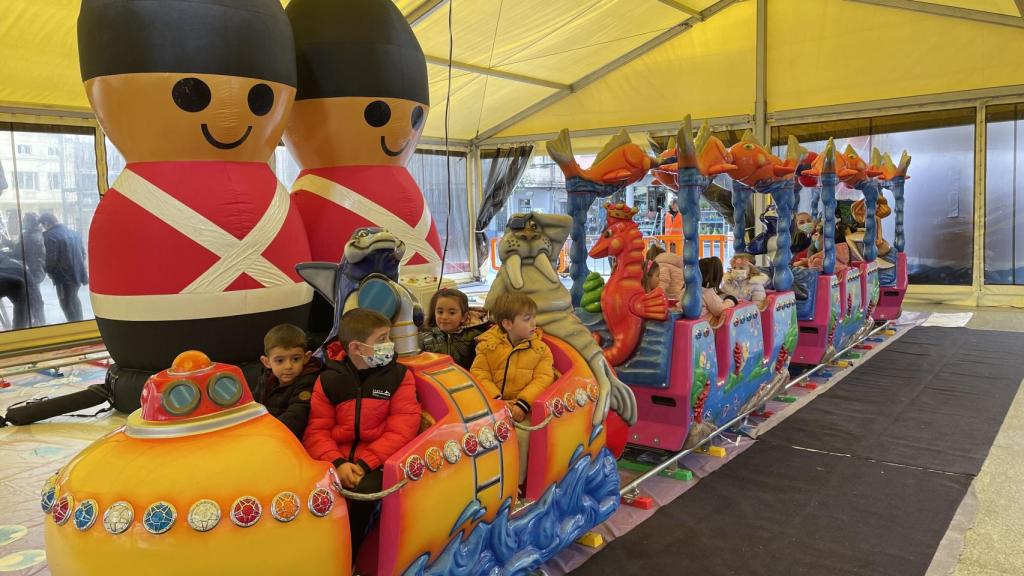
{"points": [[512, 363]]}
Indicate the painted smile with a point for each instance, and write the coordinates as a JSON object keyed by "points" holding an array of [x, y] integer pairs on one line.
{"points": [[225, 145], [389, 151]]}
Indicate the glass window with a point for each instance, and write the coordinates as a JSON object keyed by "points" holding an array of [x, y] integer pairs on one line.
{"points": [[285, 167], [939, 210], [45, 212], [1004, 186], [28, 180], [428, 169], [542, 189]]}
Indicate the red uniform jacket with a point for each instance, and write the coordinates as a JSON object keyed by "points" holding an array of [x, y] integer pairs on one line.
{"points": [[185, 240], [361, 416], [334, 202]]}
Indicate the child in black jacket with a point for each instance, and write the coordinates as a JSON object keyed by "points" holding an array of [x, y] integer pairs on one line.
{"points": [[452, 327], [287, 383]]}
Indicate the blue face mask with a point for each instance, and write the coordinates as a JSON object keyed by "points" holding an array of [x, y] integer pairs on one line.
{"points": [[817, 244]]}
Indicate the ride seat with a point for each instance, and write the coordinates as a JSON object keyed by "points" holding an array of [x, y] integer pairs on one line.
{"points": [[805, 308], [724, 337]]}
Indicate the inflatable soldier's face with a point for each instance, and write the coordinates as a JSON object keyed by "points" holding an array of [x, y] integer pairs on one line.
{"points": [[362, 90], [188, 79]]}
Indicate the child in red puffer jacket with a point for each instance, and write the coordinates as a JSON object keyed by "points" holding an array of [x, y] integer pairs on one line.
{"points": [[363, 410]]}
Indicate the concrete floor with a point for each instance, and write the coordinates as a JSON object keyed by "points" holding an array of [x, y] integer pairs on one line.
{"points": [[993, 512]]}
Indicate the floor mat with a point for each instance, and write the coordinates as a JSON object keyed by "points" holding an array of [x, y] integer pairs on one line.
{"points": [[30, 454], [934, 399], [786, 511], [954, 320]]}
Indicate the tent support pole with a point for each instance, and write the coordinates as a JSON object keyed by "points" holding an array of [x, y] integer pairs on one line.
{"points": [[761, 100], [474, 190], [424, 9], [980, 151]]}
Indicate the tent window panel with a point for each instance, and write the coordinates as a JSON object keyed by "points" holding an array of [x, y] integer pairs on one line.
{"points": [[428, 169], [1004, 187], [939, 196], [44, 169], [542, 189]]}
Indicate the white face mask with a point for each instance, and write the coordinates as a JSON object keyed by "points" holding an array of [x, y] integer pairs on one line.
{"points": [[739, 273], [383, 353], [807, 228]]}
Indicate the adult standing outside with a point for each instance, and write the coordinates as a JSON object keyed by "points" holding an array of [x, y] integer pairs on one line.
{"points": [[673, 225], [65, 263], [34, 255], [673, 228]]}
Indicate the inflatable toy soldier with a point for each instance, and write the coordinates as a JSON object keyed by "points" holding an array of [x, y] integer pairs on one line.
{"points": [[195, 245], [360, 109]]}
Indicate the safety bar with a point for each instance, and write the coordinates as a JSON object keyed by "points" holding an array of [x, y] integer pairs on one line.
{"points": [[349, 495], [529, 428]]}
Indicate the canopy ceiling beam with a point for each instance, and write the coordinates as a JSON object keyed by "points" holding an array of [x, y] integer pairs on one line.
{"points": [[950, 11], [740, 122], [683, 7], [1020, 7], [438, 61], [607, 68], [422, 10], [922, 103]]}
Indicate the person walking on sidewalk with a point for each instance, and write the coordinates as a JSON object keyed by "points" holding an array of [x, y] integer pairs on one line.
{"points": [[65, 263]]}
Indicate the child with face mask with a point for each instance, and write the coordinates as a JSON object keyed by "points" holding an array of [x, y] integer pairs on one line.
{"points": [[803, 228], [744, 281], [363, 410]]}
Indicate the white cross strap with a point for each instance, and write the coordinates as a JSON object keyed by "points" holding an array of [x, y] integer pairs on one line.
{"points": [[236, 256], [415, 237]]}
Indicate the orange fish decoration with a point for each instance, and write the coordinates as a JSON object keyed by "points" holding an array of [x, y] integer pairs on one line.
{"points": [[850, 168], [713, 158], [708, 155], [754, 163], [886, 169], [826, 162], [620, 161], [666, 167], [796, 156]]}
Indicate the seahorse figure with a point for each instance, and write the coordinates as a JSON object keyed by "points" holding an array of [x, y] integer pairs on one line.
{"points": [[624, 302]]}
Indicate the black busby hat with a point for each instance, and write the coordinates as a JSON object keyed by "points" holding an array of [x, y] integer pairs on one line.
{"points": [[247, 38], [356, 48]]}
